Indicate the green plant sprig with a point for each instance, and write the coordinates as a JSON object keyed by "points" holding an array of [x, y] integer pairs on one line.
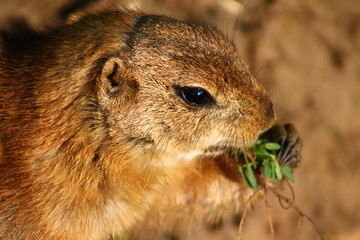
{"points": [[260, 163], [262, 155]]}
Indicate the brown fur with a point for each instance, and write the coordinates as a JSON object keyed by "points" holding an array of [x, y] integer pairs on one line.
{"points": [[94, 134]]}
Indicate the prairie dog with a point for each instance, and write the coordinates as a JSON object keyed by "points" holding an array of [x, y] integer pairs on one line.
{"points": [[99, 115]]}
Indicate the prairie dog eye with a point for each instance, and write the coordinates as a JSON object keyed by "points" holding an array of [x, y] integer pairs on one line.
{"points": [[195, 96]]}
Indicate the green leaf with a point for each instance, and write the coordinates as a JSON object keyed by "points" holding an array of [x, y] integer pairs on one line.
{"points": [[262, 154], [251, 176], [278, 172], [268, 173], [272, 146], [246, 158], [272, 157], [287, 171], [246, 178]]}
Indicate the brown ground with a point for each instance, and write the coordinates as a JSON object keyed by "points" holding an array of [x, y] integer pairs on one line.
{"points": [[307, 54]]}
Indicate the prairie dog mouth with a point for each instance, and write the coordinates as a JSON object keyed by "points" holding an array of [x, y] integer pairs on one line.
{"points": [[219, 149], [222, 148]]}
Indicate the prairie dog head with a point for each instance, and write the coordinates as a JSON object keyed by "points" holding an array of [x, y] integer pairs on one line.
{"points": [[177, 87], [144, 83]]}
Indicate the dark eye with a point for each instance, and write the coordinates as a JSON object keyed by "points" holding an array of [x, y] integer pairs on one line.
{"points": [[195, 96]]}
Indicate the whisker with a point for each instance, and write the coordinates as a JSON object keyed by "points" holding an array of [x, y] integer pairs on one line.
{"points": [[235, 27], [149, 160], [257, 74]]}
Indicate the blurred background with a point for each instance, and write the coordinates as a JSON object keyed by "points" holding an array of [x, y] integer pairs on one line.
{"points": [[307, 54]]}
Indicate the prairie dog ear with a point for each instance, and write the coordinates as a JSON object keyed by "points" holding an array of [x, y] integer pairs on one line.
{"points": [[110, 81]]}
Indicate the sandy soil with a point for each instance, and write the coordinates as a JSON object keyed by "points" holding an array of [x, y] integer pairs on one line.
{"points": [[307, 54]]}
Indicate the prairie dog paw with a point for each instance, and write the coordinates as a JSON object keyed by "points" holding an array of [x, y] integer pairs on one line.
{"points": [[287, 136]]}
